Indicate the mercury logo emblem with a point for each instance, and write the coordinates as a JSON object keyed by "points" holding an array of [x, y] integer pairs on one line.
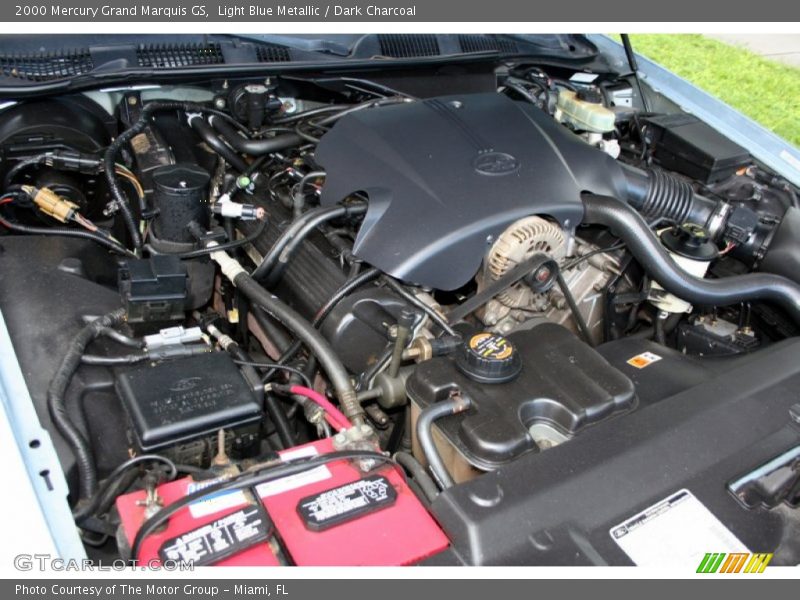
{"points": [[185, 385], [495, 163]]}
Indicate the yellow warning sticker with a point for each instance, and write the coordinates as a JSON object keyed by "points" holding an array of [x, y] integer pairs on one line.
{"points": [[645, 359]]}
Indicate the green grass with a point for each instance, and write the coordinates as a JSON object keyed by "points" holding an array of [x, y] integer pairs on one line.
{"points": [[766, 91]]}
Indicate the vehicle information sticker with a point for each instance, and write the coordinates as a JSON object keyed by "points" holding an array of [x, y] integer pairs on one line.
{"points": [[346, 502], [677, 532]]}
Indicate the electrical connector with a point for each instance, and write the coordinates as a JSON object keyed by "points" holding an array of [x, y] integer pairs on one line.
{"points": [[225, 207], [178, 351], [69, 160], [173, 336], [51, 203], [234, 210]]}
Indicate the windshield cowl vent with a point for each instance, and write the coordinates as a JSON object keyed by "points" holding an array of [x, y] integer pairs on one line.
{"points": [[484, 43], [170, 56], [46, 66], [268, 53], [408, 46]]}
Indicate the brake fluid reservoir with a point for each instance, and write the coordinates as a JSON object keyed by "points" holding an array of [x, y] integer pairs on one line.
{"points": [[691, 248], [584, 112]]}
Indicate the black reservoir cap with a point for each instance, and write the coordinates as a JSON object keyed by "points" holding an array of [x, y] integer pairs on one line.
{"points": [[489, 358], [181, 180]]}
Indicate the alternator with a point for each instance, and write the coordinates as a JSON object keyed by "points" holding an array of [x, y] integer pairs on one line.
{"points": [[518, 243]]}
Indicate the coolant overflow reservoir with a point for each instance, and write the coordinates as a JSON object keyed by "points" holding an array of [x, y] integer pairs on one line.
{"points": [[561, 387]]}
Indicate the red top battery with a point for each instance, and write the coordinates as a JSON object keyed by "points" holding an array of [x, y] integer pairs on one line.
{"points": [[376, 521], [401, 534]]}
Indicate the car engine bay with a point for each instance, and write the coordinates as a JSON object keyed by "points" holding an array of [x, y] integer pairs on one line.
{"points": [[400, 318]]}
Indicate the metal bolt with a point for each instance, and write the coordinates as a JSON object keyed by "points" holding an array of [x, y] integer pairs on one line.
{"points": [[542, 274]]}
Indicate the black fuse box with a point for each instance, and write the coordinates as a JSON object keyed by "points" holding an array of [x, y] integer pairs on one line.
{"points": [[176, 401], [688, 146]]}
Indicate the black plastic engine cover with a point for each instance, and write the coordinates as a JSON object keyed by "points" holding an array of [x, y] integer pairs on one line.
{"points": [[564, 384], [445, 176]]}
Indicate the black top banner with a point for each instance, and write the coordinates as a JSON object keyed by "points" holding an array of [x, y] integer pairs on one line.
{"points": [[441, 11]]}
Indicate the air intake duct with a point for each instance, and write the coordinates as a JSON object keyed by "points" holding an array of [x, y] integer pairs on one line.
{"points": [[642, 243], [658, 195]]}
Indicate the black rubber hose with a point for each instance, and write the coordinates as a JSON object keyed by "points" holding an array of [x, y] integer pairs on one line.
{"points": [[418, 473], [95, 503], [282, 426], [87, 473], [229, 245], [319, 346], [298, 231], [21, 165], [519, 89], [451, 406], [253, 147], [127, 359], [628, 225], [349, 286], [657, 194], [294, 373], [282, 259], [210, 137], [121, 338], [66, 232], [298, 199], [659, 335], [428, 310], [276, 334]]}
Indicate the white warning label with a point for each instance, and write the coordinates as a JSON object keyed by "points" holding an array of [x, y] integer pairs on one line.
{"points": [[676, 532]]}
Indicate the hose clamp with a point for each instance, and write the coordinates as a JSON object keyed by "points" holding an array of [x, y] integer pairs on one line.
{"points": [[717, 220]]}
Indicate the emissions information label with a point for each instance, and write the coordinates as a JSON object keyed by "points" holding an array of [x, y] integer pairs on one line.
{"points": [[677, 532], [346, 502], [219, 539]]}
